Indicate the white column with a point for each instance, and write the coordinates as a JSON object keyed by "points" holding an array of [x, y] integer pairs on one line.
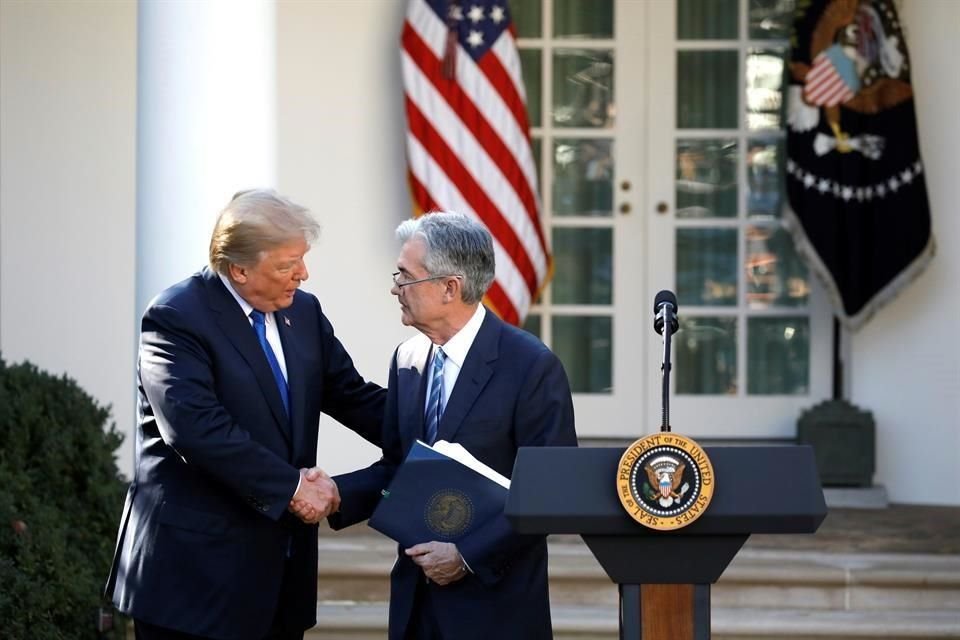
{"points": [[206, 126]]}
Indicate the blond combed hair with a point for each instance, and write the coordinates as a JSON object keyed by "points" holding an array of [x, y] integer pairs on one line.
{"points": [[256, 221]]}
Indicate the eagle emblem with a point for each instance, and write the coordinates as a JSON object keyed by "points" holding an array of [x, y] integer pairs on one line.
{"points": [[858, 62], [665, 476]]}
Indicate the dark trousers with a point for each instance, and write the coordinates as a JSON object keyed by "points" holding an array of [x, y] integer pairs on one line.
{"points": [[423, 622], [145, 631]]}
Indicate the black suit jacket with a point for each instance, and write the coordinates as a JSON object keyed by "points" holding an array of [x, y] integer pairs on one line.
{"points": [[511, 392], [205, 530]]}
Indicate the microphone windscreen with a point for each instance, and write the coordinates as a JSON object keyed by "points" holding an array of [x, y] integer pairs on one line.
{"points": [[664, 296]]}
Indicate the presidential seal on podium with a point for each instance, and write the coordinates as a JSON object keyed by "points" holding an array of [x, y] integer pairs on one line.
{"points": [[665, 481]]}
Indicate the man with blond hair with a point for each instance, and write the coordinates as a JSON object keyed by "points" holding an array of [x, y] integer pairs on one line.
{"points": [[235, 366]]}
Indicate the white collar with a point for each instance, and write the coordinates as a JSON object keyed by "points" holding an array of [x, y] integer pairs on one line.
{"points": [[246, 306], [457, 347]]}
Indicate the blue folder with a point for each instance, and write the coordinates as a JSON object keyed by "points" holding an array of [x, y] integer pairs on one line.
{"points": [[434, 497]]}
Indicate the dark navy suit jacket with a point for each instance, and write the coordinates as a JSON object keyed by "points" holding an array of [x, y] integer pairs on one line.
{"points": [[205, 531], [511, 392]]}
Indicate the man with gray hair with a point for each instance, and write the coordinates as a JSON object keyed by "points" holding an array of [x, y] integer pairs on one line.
{"points": [[472, 379], [235, 366]]}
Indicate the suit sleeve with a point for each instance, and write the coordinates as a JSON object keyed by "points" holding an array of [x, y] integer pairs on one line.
{"points": [[360, 490], [347, 397], [177, 377], [543, 418]]}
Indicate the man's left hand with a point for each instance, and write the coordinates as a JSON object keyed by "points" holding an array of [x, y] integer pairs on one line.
{"points": [[440, 561]]}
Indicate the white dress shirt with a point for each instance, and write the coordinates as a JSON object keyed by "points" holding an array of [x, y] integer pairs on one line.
{"points": [[456, 351], [273, 334]]}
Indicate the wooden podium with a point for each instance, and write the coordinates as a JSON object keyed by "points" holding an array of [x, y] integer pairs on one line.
{"points": [[664, 577]]}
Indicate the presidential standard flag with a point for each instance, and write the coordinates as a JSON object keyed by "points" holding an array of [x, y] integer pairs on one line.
{"points": [[468, 138], [855, 181]]}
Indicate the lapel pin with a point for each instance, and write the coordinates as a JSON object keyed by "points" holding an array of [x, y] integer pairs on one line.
{"points": [[286, 320]]}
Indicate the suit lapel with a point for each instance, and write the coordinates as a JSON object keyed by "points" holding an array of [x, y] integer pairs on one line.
{"points": [[236, 327], [474, 375], [412, 358]]}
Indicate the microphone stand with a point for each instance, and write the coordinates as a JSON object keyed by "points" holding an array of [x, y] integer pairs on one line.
{"points": [[665, 367]]}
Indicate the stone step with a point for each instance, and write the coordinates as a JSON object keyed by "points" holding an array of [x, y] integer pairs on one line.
{"points": [[367, 621], [356, 569]]}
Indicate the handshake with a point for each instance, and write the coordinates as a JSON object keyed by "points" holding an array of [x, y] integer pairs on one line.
{"points": [[316, 497]]}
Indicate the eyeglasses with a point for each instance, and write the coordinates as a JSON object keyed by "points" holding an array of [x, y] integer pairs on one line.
{"points": [[400, 285]]}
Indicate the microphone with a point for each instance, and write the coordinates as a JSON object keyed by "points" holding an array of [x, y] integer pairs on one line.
{"points": [[665, 312]]}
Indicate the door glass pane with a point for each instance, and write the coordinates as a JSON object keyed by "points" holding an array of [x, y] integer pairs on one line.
{"points": [[706, 353], [536, 145], [706, 89], [706, 184], [583, 18], [778, 356], [583, 177], [707, 19], [775, 276], [530, 60], [583, 88], [527, 17], [583, 262], [765, 80], [707, 267], [585, 346], [532, 324], [770, 19], [764, 178]]}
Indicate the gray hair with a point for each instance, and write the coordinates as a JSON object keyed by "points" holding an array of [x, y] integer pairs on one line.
{"points": [[256, 221], [456, 245]]}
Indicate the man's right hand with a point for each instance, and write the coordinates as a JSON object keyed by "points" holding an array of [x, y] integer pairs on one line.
{"points": [[316, 498]]}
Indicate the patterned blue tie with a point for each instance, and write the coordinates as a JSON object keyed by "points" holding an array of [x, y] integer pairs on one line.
{"points": [[435, 404], [260, 328]]}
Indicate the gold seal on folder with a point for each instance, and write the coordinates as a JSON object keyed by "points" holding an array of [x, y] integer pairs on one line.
{"points": [[448, 513]]}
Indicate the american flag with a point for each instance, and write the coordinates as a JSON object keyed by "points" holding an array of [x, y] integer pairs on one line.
{"points": [[832, 78], [468, 137]]}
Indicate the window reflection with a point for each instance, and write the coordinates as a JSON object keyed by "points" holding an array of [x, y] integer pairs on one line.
{"points": [[583, 263], [707, 89], [764, 178], [583, 177], [774, 276], [770, 19], [583, 19], [706, 349], [585, 346], [764, 89], [706, 178], [583, 88], [706, 267], [778, 356]]}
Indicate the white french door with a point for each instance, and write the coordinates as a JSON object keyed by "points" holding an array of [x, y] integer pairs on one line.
{"points": [[658, 125]]}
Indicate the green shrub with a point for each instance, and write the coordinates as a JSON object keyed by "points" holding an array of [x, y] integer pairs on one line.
{"points": [[60, 501]]}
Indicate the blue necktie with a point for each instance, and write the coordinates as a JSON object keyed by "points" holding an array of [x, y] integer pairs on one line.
{"points": [[435, 403], [260, 328]]}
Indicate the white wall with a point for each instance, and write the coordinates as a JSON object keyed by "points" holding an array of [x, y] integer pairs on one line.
{"points": [[67, 122], [340, 152], [906, 360]]}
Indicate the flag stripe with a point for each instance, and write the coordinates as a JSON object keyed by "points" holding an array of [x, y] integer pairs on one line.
{"points": [[468, 139], [512, 297], [488, 96], [480, 108], [468, 151], [473, 192], [498, 300]]}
